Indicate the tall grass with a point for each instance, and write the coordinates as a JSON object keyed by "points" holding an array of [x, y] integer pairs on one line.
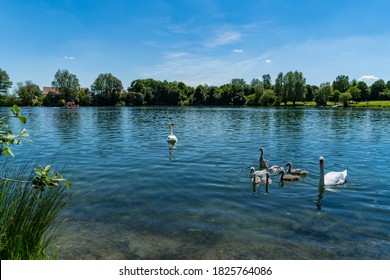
{"points": [[27, 214]]}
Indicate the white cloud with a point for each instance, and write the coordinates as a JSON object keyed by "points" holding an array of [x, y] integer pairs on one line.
{"points": [[268, 61], [198, 69], [69, 57], [238, 51], [173, 55], [368, 78], [224, 38]]}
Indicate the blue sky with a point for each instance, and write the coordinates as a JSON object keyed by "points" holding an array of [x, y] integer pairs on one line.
{"points": [[194, 41]]}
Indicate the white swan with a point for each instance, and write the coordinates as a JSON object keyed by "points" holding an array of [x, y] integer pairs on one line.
{"points": [[253, 172], [171, 139], [275, 168], [295, 171], [263, 163], [331, 178]]}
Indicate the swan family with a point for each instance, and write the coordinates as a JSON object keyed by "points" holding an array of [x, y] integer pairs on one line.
{"points": [[331, 178]]}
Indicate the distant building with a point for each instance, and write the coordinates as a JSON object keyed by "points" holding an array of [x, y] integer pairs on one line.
{"points": [[47, 90], [54, 90]]}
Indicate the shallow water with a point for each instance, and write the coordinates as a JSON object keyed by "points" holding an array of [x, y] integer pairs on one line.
{"points": [[138, 198]]}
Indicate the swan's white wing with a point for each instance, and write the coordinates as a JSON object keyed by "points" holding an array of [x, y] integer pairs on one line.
{"points": [[335, 178]]}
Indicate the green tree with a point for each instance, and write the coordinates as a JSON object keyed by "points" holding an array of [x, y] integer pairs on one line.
{"points": [[237, 89], [289, 81], [279, 91], [268, 98], [5, 83], [238, 82], [309, 93], [355, 93], [67, 84], [376, 88], [257, 89], [28, 92], [334, 96], [213, 96], [321, 95], [299, 87], [341, 83], [134, 98], [364, 90], [84, 97], [200, 95], [53, 99], [344, 98], [267, 83], [106, 89]]}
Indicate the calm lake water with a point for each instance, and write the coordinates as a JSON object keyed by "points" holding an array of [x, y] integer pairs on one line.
{"points": [[138, 198]]}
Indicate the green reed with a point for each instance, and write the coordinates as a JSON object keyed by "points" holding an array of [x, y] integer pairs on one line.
{"points": [[28, 215]]}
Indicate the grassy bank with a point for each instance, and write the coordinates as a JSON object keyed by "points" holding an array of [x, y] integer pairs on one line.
{"points": [[362, 104]]}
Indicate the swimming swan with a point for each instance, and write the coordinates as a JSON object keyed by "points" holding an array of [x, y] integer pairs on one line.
{"points": [[263, 163], [295, 171], [266, 179], [275, 168], [171, 139], [288, 177], [255, 180], [259, 173], [331, 178]]}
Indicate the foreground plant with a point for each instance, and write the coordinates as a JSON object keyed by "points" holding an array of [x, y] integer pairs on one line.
{"points": [[29, 204]]}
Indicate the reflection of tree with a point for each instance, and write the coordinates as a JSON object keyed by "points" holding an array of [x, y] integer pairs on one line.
{"points": [[321, 190], [67, 121]]}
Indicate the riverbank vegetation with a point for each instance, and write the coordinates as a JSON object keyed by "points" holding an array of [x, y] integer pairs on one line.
{"points": [[107, 90], [30, 201]]}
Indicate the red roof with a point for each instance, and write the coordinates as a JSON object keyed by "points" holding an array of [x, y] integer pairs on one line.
{"points": [[47, 90]]}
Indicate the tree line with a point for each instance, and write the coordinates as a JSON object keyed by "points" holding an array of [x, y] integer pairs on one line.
{"points": [[108, 90]]}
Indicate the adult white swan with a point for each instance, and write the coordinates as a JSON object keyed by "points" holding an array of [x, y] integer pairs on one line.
{"points": [[331, 178], [172, 139]]}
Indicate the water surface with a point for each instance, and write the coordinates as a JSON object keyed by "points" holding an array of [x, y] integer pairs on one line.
{"points": [[138, 198]]}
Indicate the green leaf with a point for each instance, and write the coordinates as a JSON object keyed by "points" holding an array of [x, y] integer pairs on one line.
{"points": [[8, 152], [15, 109], [22, 119]]}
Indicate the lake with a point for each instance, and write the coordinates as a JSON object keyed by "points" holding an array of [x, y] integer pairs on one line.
{"points": [[136, 197]]}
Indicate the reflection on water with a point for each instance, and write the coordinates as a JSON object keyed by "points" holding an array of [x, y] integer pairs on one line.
{"points": [[321, 190], [139, 198]]}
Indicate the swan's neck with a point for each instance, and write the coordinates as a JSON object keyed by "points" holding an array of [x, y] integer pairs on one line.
{"points": [[170, 130], [289, 168], [322, 180]]}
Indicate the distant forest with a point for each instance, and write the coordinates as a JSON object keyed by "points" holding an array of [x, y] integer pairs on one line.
{"points": [[107, 90]]}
